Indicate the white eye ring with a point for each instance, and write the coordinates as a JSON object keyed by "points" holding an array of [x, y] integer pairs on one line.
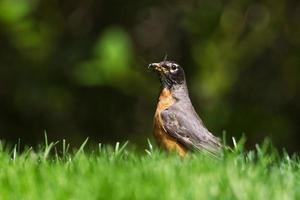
{"points": [[173, 68]]}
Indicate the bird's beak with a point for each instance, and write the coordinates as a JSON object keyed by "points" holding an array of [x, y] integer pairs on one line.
{"points": [[156, 67]]}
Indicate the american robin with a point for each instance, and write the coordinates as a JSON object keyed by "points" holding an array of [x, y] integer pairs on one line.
{"points": [[177, 127]]}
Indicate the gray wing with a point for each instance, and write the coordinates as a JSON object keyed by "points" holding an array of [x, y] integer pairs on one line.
{"points": [[188, 129]]}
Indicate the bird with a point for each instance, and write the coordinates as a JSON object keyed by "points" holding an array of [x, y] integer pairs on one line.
{"points": [[177, 126]]}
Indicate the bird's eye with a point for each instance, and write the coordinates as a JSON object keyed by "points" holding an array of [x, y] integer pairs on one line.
{"points": [[173, 67]]}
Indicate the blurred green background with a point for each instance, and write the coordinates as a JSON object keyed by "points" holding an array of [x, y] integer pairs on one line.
{"points": [[77, 69]]}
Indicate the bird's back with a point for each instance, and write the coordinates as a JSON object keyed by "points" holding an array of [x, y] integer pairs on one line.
{"points": [[183, 123]]}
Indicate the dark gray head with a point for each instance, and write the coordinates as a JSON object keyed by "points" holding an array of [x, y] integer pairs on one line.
{"points": [[170, 73]]}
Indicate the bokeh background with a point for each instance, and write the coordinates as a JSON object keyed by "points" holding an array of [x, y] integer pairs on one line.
{"points": [[77, 68]]}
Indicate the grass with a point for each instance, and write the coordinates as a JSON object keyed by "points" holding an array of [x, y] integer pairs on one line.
{"points": [[55, 172]]}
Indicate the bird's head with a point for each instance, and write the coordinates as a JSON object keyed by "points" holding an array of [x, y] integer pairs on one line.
{"points": [[170, 73]]}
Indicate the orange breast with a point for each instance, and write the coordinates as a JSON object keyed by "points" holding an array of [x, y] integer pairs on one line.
{"points": [[164, 139]]}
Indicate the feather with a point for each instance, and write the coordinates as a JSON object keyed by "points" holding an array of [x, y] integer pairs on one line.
{"points": [[189, 130]]}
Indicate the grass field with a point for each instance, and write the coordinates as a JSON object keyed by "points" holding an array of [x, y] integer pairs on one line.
{"points": [[54, 172]]}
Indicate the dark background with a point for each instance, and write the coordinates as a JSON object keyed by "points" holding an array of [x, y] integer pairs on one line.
{"points": [[77, 69]]}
